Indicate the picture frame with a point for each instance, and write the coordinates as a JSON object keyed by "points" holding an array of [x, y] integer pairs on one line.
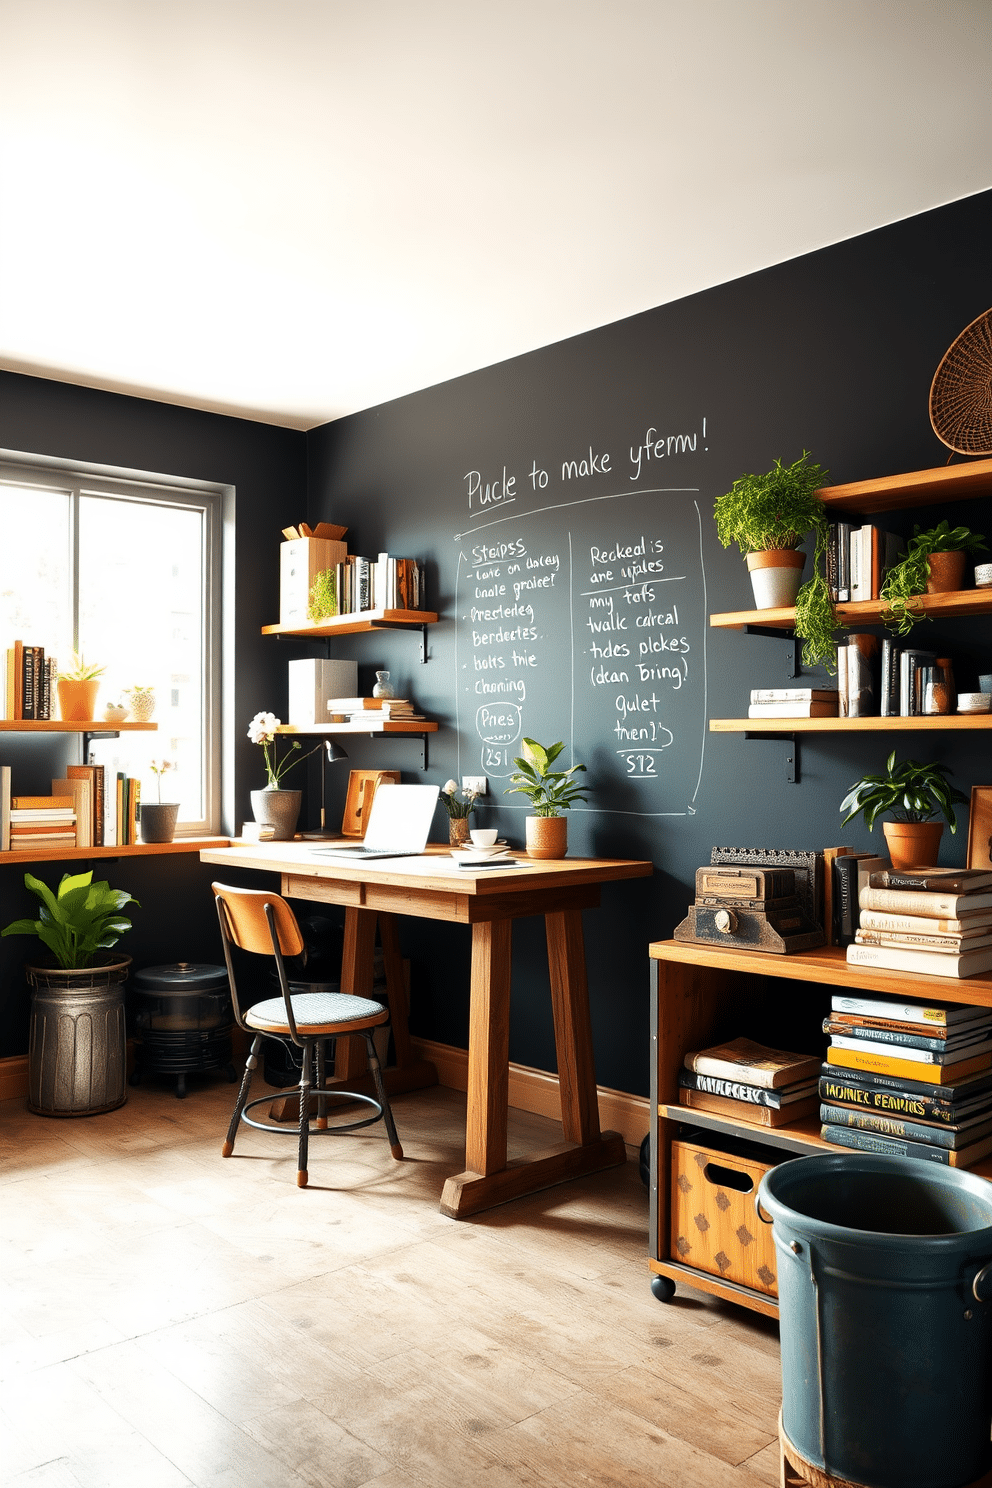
{"points": [[980, 827], [362, 786]]}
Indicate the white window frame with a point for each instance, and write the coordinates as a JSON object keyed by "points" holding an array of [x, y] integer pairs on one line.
{"points": [[215, 502]]}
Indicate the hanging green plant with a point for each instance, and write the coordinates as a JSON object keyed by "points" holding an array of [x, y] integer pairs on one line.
{"points": [[907, 581]]}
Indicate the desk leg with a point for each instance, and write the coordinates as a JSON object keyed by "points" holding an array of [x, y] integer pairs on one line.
{"points": [[488, 1179]]}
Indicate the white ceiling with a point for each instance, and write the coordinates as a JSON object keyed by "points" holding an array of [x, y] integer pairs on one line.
{"points": [[292, 209]]}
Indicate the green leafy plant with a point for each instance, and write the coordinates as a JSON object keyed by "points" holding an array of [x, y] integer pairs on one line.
{"points": [[909, 792], [82, 918], [323, 600], [779, 509], [80, 670], [907, 580], [550, 791]]}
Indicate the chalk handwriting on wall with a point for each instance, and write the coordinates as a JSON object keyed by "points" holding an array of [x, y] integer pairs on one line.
{"points": [[584, 619]]}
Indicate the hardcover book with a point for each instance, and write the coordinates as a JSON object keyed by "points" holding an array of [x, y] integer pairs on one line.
{"points": [[932, 880], [847, 1092], [938, 1135], [753, 1064], [757, 1095], [930, 963], [863, 1141], [721, 1105], [888, 1064], [955, 1091], [926, 902]]}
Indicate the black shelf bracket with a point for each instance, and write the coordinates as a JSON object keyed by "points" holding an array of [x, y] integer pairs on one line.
{"points": [[87, 737], [792, 654], [791, 760]]}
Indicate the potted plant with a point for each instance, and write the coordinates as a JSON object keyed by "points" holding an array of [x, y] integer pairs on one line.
{"points": [[769, 516], [77, 1061], [550, 792], [141, 701], [273, 805], [933, 563], [914, 794], [459, 804], [158, 818], [77, 688]]}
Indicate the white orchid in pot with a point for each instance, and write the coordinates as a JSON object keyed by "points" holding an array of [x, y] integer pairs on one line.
{"points": [[275, 806], [459, 804]]}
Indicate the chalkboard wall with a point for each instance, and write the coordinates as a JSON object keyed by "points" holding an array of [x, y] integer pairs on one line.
{"points": [[562, 503]]}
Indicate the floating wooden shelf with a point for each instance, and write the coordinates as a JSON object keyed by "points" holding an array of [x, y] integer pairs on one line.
{"points": [[358, 623], [917, 724], [389, 726], [132, 850], [56, 726], [917, 488], [956, 606]]}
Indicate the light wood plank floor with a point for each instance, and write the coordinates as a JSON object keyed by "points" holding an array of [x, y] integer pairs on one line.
{"points": [[172, 1319]]}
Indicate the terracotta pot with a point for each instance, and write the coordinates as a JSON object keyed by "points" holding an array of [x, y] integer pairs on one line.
{"points": [[775, 577], [946, 572], [77, 700], [279, 809], [458, 830], [547, 836], [913, 844], [158, 820]]}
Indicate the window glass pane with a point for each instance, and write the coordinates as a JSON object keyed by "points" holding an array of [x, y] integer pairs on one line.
{"points": [[141, 615], [36, 568]]}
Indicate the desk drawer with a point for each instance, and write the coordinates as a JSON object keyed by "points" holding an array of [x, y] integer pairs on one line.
{"points": [[714, 1224]]}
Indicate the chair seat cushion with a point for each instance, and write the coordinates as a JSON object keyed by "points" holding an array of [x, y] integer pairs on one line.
{"points": [[317, 1011]]}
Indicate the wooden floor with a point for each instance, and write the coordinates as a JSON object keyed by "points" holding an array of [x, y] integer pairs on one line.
{"points": [[171, 1318]]}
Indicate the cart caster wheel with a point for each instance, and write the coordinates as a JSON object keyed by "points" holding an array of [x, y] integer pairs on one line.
{"points": [[663, 1288]]}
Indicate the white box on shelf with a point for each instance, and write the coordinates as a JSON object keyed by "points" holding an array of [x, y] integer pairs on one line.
{"points": [[300, 561], [312, 681]]}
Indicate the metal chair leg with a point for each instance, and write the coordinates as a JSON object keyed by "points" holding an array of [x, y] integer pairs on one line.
{"points": [[305, 1089], [321, 1082], [251, 1065], [380, 1088]]}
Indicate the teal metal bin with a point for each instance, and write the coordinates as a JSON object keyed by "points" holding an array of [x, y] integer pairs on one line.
{"points": [[885, 1307]]}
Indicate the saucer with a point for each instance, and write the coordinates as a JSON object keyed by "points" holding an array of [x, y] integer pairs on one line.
{"points": [[468, 855]]}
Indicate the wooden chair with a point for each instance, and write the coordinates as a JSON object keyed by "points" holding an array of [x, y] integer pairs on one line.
{"points": [[263, 923]]}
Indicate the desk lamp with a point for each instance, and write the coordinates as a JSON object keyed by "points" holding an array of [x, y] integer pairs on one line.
{"points": [[334, 752]]}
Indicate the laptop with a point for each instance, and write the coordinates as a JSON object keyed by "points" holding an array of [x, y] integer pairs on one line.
{"points": [[398, 826]]}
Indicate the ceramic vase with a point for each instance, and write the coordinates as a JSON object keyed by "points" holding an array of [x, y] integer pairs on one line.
{"points": [[279, 809], [142, 702], [458, 830], [775, 577], [913, 844], [77, 700], [547, 836], [158, 820]]}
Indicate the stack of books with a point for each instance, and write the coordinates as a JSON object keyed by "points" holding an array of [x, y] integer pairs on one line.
{"points": [[750, 1082], [858, 558], [371, 713], [377, 584], [28, 683], [908, 1079], [40, 823], [793, 702], [937, 921]]}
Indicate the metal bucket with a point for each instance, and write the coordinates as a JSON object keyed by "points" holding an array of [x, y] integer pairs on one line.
{"points": [[77, 1051], [885, 1306]]}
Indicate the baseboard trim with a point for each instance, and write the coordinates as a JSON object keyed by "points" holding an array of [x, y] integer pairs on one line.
{"points": [[536, 1091], [14, 1077]]}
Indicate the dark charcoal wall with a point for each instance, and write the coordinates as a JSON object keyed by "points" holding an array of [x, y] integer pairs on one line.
{"points": [[266, 466], [832, 352]]}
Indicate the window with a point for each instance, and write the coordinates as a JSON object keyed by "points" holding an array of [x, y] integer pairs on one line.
{"points": [[127, 573]]}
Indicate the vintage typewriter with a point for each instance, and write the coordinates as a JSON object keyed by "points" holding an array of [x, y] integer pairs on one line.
{"points": [[752, 909]]}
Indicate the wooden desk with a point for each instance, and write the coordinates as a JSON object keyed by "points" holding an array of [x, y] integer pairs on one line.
{"points": [[432, 887]]}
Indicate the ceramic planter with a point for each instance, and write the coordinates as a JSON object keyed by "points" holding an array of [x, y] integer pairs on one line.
{"points": [[158, 820], [142, 703], [77, 700], [946, 572], [547, 836], [913, 844], [775, 577], [279, 809]]}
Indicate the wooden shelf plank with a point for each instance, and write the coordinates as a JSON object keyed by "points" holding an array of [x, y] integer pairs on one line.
{"points": [[916, 488], [357, 624], [389, 726], [918, 723], [133, 850], [959, 605], [56, 726], [802, 1137]]}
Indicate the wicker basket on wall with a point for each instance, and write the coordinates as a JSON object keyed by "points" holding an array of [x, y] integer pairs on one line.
{"points": [[961, 391]]}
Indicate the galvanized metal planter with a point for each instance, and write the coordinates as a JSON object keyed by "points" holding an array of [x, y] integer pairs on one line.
{"points": [[78, 1046]]}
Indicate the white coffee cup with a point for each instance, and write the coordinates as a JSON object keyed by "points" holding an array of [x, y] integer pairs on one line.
{"points": [[484, 836]]}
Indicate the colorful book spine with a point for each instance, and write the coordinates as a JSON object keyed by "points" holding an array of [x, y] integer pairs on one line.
{"points": [[850, 1036], [909, 1131], [907, 1069]]}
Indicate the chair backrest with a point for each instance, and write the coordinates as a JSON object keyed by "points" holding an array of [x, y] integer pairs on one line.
{"points": [[245, 920]]}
